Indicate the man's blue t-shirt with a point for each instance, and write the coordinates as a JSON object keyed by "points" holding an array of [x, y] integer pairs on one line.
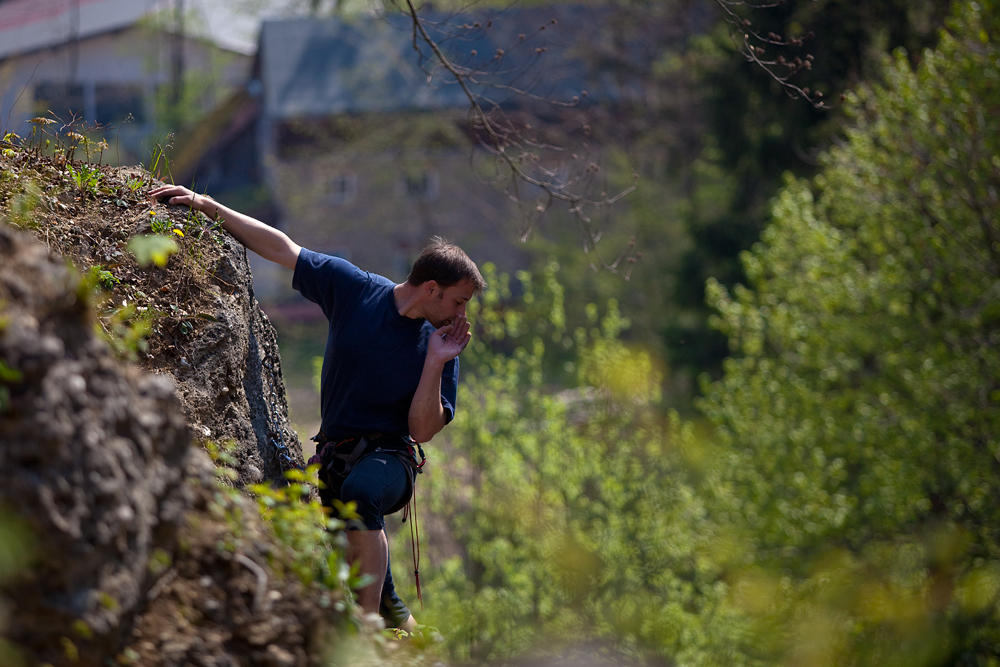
{"points": [[374, 356]]}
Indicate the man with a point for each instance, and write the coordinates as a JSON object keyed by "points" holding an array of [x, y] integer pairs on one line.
{"points": [[390, 370]]}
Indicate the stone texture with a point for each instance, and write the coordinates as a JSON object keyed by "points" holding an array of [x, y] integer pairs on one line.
{"points": [[92, 455]]}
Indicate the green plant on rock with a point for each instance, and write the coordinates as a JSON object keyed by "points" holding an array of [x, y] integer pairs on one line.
{"points": [[312, 544], [315, 541], [135, 183], [200, 224], [101, 276], [37, 139], [10, 144], [158, 159], [71, 141], [25, 195], [159, 224], [100, 146], [123, 327], [126, 328], [224, 457], [86, 177]]}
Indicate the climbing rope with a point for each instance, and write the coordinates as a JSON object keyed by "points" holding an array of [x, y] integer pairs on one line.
{"points": [[410, 512], [276, 429]]}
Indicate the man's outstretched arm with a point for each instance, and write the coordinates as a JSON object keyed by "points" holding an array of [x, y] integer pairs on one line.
{"points": [[263, 239]]}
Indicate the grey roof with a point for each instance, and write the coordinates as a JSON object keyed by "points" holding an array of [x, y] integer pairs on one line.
{"points": [[312, 67]]}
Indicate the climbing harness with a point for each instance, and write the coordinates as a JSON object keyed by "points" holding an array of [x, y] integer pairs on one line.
{"points": [[337, 459]]}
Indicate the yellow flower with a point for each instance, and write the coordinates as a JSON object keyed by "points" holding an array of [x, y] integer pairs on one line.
{"points": [[152, 212], [179, 233]]}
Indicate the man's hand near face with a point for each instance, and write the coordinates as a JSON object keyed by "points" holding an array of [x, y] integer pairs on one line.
{"points": [[448, 341]]}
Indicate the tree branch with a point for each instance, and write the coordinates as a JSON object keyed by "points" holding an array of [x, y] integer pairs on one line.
{"points": [[520, 156]]}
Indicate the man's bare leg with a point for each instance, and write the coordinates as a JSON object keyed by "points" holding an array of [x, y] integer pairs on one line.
{"points": [[370, 548]]}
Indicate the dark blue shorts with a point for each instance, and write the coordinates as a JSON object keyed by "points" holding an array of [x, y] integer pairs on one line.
{"points": [[379, 484]]}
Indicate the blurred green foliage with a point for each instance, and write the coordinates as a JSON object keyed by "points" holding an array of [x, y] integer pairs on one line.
{"points": [[315, 542], [152, 249], [842, 509], [16, 552], [860, 416]]}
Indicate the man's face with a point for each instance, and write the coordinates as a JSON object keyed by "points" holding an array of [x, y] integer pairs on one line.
{"points": [[445, 304]]}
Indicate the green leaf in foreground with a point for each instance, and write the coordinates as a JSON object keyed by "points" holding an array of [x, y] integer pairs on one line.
{"points": [[152, 249]]}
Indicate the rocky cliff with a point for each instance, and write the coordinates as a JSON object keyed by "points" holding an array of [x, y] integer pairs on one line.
{"points": [[112, 377]]}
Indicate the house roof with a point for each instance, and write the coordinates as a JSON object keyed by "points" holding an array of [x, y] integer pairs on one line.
{"points": [[238, 112], [312, 68], [30, 25]]}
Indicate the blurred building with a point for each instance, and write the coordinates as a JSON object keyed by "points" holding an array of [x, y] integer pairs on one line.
{"points": [[95, 63], [347, 134], [351, 138]]}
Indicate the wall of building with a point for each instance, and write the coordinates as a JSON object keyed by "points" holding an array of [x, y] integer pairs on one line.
{"points": [[379, 211], [101, 80]]}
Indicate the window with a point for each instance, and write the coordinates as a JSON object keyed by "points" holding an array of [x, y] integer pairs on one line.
{"points": [[422, 186], [114, 102], [341, 189], [65, 100]]}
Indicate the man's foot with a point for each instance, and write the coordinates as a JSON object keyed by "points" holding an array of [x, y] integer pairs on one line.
{"points": [[409, 625]]}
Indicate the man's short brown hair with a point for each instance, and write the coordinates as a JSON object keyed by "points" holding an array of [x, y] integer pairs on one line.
{"points": [[446, 264]]}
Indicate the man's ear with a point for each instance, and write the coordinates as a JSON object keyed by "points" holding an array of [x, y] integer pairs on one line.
{"points": [[430, 287]]}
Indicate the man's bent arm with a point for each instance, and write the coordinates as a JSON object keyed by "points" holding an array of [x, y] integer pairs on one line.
{"points": [[266, 241], [427, 415]]}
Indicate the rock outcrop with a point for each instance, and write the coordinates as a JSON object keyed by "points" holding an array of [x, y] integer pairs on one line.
{"points": [[141, 557], [93, 457], [228, 372]]}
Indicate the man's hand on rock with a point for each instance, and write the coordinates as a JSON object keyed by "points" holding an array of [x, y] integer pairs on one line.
{"points": [[178, 195], [175, 195]]}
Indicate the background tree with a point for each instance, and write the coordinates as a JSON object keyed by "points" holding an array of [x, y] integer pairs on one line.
{"points": [[751, 133], [860, 418], [844, 512]]}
